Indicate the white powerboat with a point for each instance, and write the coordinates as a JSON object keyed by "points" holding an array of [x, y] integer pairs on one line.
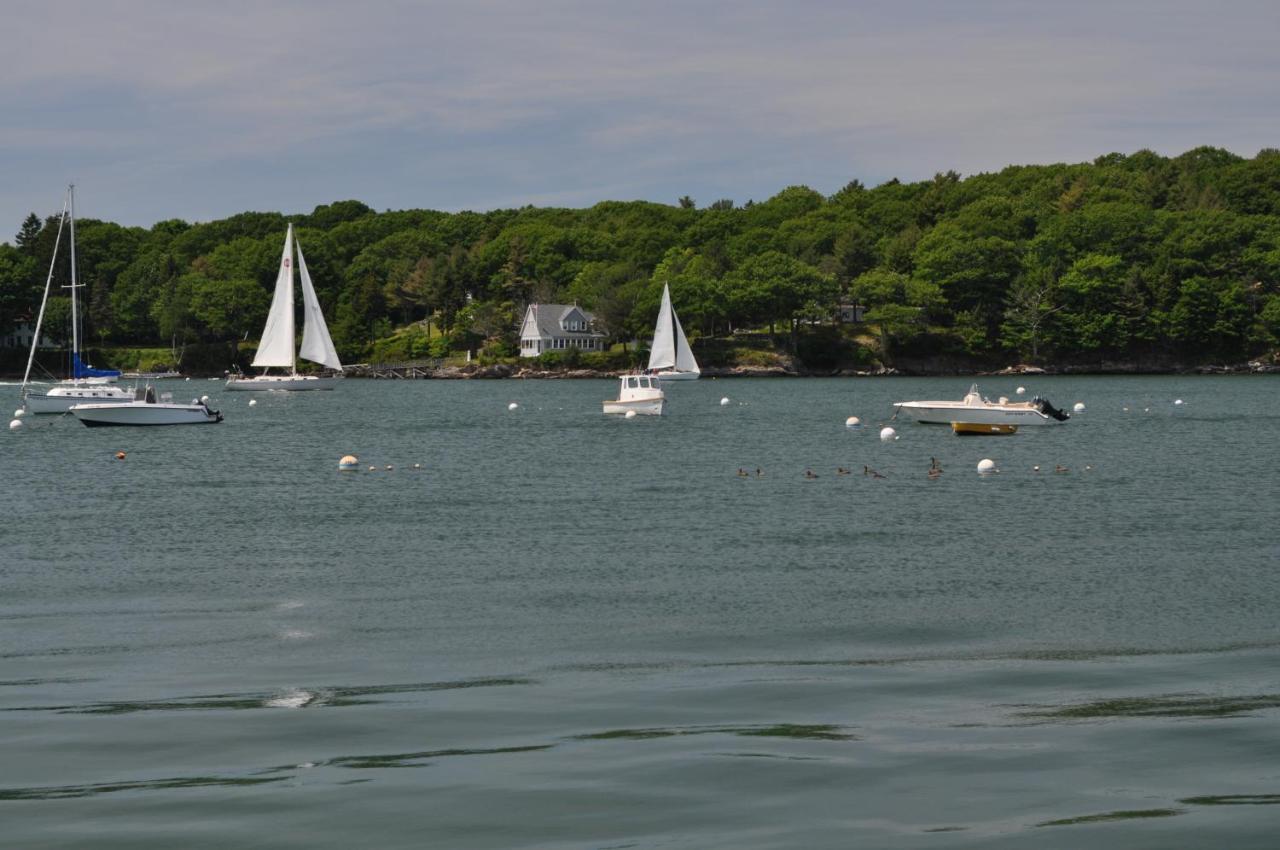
{"points": [[144, 409], [86, 384], [977, 410], [639, 393], [275, 349], [671, 358]]}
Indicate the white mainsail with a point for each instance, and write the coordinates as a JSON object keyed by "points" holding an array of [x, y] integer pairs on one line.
{"points": [[317, 346], [662, 354], [670, 347], [276, 345]]}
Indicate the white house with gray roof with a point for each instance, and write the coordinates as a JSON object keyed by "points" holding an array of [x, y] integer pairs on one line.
{"points": [[556, 327]]}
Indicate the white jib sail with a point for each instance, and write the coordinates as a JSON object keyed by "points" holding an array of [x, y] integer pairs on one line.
{"points": [[685, 361], [662, 355], [276, 346], [317, 346]]}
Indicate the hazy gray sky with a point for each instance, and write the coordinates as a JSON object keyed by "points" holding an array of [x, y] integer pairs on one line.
{"points": [[183, 110]]}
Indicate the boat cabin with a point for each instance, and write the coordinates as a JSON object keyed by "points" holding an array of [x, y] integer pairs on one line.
{"points": [[637, 387], [639, 382]]}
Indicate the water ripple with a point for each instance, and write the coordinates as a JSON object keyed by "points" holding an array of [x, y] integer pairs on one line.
{"points": [[1234, 800], [64, 792], [292, 698], [1174, 705], [811, 732], [1105, 817]]}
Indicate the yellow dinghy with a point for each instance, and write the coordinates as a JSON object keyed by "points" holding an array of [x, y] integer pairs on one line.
{"points": [[965, 429]]}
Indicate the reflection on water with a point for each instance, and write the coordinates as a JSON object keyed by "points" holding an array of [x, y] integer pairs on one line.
{"points": [[423, 759], [293, 698], [1137, 814], [1178, 705], [782, 730], [1234, 800], [63, 792]]}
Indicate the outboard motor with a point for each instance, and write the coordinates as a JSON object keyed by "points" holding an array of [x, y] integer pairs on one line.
{"points": [[1042, 405], [216, 414]]}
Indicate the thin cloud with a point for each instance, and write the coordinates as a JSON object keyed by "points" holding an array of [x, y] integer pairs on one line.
{"points": [[173, 109]]}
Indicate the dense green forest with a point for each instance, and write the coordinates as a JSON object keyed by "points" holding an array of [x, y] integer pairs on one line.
{"points": [[1137, 257]]}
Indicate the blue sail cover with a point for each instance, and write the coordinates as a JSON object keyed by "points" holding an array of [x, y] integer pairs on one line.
{"points": [[80, 370]]}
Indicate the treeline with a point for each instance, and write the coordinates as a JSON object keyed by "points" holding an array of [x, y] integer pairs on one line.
{"points": [[1127, 257]]}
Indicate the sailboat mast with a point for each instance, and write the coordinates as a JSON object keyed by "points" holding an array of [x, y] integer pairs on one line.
{"points": [[44, 302], [75, 321], [293, 348]]}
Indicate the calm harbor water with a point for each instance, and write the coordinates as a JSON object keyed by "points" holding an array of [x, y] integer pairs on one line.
{"points": [[572, 631]]}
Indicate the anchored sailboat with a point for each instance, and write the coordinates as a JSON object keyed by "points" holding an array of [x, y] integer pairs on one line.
{"points": [[670, 358], [275, 350], [86, 384]]}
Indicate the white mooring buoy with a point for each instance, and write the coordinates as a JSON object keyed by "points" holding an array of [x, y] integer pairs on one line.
{"points": [[204, 399], [1079, 408], [986, 466], [853, 422], [724, 402], [1177, 402], [349, 463], [15, 425], [252, 402], [888, 435], [1020, 391], [512, 406]]}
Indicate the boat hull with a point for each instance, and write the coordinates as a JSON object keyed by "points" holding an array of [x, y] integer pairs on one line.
{"points": [[944, 413], [290, 383], [668, 377], [62, 399], [967, 429], [144, 414], [642, 407]]}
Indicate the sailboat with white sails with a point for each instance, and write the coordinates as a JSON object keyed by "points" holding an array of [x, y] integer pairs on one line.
{"points": [[670, 358], [276, 348], [86, 384]]}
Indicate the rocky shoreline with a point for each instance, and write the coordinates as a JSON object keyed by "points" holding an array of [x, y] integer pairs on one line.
{"points": [[498, 371], [501, 371]]}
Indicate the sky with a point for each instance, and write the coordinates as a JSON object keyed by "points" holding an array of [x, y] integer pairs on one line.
{"points": [[176, 109]]}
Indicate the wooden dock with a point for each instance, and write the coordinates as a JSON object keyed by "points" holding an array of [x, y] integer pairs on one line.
{"points": [[401, 371]]}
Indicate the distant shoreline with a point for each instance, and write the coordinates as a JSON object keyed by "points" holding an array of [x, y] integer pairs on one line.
{"points": [[504, 371]]}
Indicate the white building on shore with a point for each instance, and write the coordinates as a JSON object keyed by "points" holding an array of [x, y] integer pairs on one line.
{"points": [[556, 327]]}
